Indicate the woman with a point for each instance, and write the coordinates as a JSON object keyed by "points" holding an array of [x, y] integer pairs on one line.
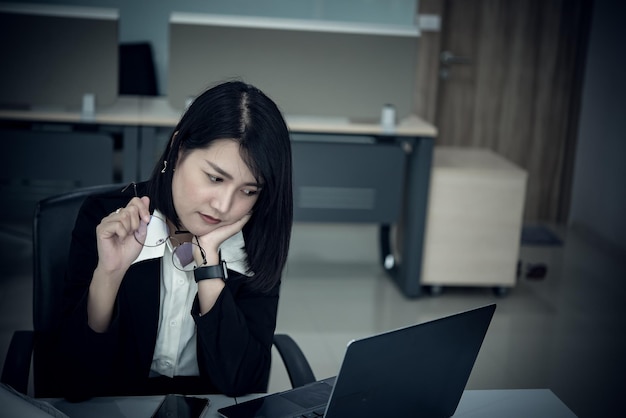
{"points": [[139, 319]]}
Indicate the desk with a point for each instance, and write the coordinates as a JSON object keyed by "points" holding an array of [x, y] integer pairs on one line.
{"points": [[121, 118], [140, 120], [513, 403], [412, 135]]}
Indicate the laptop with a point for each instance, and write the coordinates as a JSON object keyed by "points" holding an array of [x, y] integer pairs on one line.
{"points": [[419, 370], [16, 404]]}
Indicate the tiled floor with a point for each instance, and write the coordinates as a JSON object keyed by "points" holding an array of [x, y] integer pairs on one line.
{"points": [[565, 332]]}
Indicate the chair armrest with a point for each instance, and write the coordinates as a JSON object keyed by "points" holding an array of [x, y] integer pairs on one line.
{"points": [[16, 367], [297, 366]]}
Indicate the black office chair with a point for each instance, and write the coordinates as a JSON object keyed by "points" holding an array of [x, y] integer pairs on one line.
{"points": [[52, 229]]}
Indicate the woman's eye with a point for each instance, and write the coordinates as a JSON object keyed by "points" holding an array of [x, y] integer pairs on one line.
{"points": [[215, 179], [249, 192]]}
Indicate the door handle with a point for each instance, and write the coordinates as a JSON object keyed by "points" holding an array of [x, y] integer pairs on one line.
{"points": [[448, 58]]}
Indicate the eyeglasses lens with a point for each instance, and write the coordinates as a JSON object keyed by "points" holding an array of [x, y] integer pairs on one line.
{"points": [[154, 236], [183, 257]]}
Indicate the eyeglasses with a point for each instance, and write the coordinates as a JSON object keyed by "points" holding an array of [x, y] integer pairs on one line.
{"points": [[182, 254]]}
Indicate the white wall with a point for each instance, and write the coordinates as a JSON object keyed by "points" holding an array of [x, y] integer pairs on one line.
{"points": [[599, 188]]}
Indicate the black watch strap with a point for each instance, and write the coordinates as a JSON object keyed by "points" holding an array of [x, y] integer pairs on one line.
{"points": [[218, 271]]}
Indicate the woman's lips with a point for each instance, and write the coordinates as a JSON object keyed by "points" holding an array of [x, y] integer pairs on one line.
{"points": [[209, 219]]}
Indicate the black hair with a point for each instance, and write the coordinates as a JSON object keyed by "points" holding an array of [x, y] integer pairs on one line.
{"points": [[241, 112]]}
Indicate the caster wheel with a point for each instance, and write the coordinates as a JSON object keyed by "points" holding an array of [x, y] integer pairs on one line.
{"points": [[436, 290], [389, 262], [501, 291]]}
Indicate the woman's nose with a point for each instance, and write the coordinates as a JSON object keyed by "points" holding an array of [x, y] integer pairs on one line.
{"points": [[222, 202]]}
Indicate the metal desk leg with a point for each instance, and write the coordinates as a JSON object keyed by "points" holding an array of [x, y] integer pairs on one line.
{"points": [[384, 236], [146, 151], [415, 208], [130, 152]]}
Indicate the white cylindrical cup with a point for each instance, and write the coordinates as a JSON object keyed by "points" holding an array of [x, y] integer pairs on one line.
{"points": [[388, 118], [88, 109]]}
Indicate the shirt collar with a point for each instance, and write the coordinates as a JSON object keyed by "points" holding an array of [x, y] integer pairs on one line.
{"points": [[232, 250]]}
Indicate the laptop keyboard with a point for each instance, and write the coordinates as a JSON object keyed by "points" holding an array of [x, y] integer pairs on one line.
{"points": [[313, 414], [312, 398]]}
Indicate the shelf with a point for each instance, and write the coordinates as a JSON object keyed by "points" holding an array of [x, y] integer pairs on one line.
{"points": [[294, 24]]}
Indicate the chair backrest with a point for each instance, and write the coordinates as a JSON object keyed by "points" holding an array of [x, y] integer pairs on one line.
{"points": [[52, 234]]}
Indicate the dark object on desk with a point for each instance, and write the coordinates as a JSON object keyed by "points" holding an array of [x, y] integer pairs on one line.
{"points": [[539, 235], [179, 406], [419, 370], [52, 232], [137, 75]]}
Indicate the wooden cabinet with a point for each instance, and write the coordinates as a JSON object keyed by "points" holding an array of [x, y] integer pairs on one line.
{"points": [[474, 219]]}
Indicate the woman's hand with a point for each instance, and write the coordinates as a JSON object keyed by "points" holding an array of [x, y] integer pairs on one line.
{"points": [[117, 245], [209, 290], [117, 249], [212, 241]]}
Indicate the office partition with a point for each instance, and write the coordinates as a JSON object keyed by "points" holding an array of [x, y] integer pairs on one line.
{"points": [[53, 55], [333, 69]]}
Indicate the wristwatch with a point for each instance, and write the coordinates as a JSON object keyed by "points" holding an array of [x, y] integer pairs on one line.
{"points": [[218, 271]]}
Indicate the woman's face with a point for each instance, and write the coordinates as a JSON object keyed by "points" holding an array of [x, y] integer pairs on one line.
{"points": [[213, 187]]}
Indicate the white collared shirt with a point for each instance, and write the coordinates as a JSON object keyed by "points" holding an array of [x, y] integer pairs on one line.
{"points": [[175, 349]]}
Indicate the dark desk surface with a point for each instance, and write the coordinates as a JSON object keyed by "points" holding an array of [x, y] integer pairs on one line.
{"points": [[512, 403]]}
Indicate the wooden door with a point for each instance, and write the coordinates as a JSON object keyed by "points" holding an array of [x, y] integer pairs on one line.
{"points": [[506, 75]]}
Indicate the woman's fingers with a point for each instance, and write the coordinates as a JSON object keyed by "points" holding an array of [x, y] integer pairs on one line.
{"points": [[137, 210], [129, 221], [144, 209]]}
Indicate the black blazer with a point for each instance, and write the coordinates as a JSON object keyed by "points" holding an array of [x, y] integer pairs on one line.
{"points": [[234, 339]]}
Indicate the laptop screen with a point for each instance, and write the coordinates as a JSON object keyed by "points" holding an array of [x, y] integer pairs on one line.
{"points": [[417, 370]]}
